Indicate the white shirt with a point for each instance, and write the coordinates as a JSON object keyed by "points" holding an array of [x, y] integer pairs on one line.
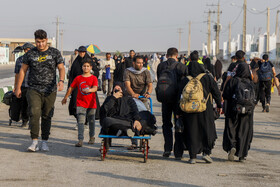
{"points": [[106, 62]]}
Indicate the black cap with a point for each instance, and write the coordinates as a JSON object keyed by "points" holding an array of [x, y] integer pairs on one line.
{"points": [[82, 49], [28, 45]]}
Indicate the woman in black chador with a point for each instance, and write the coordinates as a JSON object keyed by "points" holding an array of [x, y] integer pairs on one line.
{"points": [[199, 133], [238, 132]]}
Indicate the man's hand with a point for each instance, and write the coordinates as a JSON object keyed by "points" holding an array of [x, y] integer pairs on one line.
{"points": [[117, 95], [86, 90], [60, 86], [136, 96], [147, 95], [64, 101], [18, 93], [137, 125]]}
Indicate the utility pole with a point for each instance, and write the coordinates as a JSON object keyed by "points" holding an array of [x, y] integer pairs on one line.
{"points": [[229, 40], [61, 42], [180, 31], [276, 26], [218, 31], [189, 40], [57, 31], [244, 26], [209, 34], [217, 28], [268, 34]]}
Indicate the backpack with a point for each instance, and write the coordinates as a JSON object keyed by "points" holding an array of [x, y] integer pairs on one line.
{"points": [[193, 100], [244, 96], [167, 85], [265, 72]]}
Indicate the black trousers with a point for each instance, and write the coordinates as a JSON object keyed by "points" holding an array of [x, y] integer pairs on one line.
{"points": [[24, 105], [167, 125], [265, 92], [112, 125]]}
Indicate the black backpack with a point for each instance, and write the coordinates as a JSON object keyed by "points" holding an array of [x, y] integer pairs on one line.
{"points": [[167, 87], [265, 72], [244, 96]]}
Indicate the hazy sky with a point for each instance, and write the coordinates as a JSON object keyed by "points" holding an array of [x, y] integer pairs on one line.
{"points": [[143, 25]]}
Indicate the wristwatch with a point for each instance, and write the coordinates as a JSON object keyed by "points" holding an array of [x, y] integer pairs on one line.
{"points": [[148, 93], [61, 81]]}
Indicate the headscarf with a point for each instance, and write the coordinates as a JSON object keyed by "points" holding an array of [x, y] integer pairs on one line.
{"points": [[194, 68], [207, 63], [218, 69], [243, 71]]}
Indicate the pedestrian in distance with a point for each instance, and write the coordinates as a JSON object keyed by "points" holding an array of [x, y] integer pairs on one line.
{"points": [[128, 61], [266, 73], [86, 85], [170, 74], [107, 66], [199, 134], [41, 62], [239, 94]]}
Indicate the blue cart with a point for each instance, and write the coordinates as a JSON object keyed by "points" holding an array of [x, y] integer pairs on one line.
{"points": [[144, 141]]}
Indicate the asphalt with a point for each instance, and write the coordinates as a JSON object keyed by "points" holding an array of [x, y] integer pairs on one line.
{"points": [[66, 165]]}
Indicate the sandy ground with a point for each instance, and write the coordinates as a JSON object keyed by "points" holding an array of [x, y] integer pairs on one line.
{"points": [[66, 165]]}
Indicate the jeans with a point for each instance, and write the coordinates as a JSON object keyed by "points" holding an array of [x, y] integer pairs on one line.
{"points": [[40, 105], [82, 114], [110, 84]]}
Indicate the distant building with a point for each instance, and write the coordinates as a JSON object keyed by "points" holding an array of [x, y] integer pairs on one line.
{"points": [[11, 43]]}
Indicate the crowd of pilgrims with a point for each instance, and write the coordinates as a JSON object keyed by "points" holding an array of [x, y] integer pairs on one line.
{"points": [[199, 130]]}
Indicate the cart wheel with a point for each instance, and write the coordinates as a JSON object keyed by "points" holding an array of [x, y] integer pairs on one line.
{"points": [[145, 150], [103, 150], [10, 122]]}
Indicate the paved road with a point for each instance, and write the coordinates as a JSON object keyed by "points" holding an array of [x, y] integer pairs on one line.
{"points": [[66, 165], [6, 71]]}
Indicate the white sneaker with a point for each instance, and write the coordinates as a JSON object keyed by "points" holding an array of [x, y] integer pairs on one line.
{"points": [[44, 146], [33, 147], [76, 127]]}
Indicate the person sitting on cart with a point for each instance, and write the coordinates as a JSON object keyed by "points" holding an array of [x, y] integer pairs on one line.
{"points": [[119, 114]]}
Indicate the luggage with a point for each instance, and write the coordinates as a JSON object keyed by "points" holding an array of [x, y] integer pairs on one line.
{"points": [[15, 109], [193, 100], [167, 84], [244, 96], [265, 72]]}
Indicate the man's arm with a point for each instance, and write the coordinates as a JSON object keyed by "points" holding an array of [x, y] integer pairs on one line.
{"points": [[274, 72], [61, 70], [16, 80], [149, 90], [129, 89], [20, 78]]}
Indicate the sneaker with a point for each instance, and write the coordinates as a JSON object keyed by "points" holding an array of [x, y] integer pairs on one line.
{"points": [[129, 133], [178, 158], [79, 144], [166, 154], [242, 159], [91, 140], [24, 124], [207, 159], [267, 108], [33, 147], [231, 154], [76, 127], [44, 146], [192, 161], [263, 110]]}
